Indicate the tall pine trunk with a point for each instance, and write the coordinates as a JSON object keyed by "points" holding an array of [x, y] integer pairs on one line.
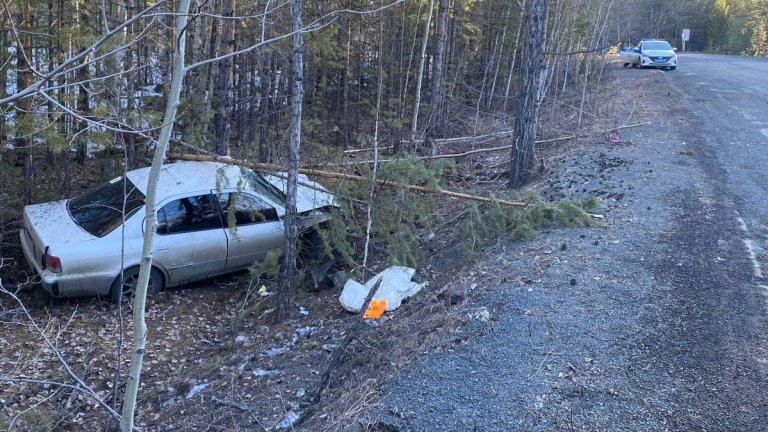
{"points": [[221, 119], [24, 80], [526, 120], [437, 122], [291, 223]]}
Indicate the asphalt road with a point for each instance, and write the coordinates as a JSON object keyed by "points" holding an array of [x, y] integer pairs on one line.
{"points": [[657, 321]]}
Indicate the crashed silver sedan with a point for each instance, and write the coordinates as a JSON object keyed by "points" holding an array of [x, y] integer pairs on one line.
{"points": [[212, 219]]}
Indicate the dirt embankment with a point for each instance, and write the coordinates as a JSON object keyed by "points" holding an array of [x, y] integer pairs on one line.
{"points": [[208, 370]]}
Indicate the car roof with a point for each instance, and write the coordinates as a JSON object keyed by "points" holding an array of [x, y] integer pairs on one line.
{"points": [[188, 176]]}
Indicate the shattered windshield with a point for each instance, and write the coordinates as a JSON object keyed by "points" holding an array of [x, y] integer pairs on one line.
{"points": [[99, 210]]}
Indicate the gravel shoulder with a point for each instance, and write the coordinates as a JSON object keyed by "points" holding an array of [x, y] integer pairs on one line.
{"points": [[655, 321]]}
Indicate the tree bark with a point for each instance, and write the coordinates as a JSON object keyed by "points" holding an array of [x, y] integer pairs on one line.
{"points": [[526, 121], [24, 80], [222, 119], [437, 122], [420, 75], [130, 139], [290, 221], [150, 224], [83, 97], [4, 55]]}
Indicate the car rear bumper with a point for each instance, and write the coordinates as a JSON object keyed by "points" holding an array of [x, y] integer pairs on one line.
{"points": [[63, 285]]}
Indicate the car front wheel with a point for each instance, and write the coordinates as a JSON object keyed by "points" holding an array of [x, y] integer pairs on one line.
{"points": [[673, 68], [122, 290]]}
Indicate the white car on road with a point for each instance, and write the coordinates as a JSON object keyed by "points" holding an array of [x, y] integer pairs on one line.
{"points": [[651, 53]]}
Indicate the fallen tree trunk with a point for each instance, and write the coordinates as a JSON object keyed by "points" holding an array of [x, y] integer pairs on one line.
{"points": [[338, 175], [490, 149]]}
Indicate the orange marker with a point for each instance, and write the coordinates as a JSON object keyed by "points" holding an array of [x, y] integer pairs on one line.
{"points": [[376, 309]]}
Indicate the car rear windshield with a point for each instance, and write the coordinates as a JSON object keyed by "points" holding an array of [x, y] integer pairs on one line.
{"points": [[100, 210], [657, 46]]}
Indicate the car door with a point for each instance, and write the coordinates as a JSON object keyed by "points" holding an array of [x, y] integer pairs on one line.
{"points": [[190, 242], [252, 226]]}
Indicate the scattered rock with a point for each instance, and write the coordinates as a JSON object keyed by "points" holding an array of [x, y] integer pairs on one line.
{"points": [[573, 282], [242, 339], [396, 286], [301, 392]]}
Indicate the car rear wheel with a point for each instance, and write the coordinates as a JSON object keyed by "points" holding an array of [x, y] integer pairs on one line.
{"points": [[122, 290]]}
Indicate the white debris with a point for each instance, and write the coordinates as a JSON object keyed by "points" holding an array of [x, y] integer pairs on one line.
{"points": [[196, 389], [242, 339], [303, 311], [396, 286], [301, 392], [265, 372], [329, 347]]}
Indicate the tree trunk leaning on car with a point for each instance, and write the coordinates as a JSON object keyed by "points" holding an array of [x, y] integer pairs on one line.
{"points": [[140, 296], [526, 119]]}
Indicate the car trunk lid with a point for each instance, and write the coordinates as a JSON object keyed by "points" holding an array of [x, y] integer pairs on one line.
{"points": [[49, 224]]}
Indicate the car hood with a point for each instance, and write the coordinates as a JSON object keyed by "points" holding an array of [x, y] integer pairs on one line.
{"points": [[310, 195], [659, 53], [50, 223]]}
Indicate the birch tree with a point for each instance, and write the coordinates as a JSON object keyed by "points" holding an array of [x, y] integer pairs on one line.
{"points": [[420, 75], [150, 223]]}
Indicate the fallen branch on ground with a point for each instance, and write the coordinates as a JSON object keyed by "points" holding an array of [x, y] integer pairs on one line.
{"points": [[338, 175], [491, 149], [325, 379]]}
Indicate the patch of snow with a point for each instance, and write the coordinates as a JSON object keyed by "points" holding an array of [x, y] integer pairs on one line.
{"points": [[196, 389], [306, 331], [266, 372], [288, 420], [271, 352]]}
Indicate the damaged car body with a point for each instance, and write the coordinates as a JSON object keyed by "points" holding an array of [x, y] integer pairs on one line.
{"points": [[212, 219]]}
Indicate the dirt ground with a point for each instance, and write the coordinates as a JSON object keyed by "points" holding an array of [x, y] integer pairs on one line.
{"points": [[208, 369]]}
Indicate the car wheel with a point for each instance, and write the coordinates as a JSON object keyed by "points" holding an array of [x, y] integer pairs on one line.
{"points": [[122, 293], [673, 68], [626, 64]]}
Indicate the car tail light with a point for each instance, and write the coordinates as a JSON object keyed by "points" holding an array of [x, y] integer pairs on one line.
{"points": [[52, 263]]}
